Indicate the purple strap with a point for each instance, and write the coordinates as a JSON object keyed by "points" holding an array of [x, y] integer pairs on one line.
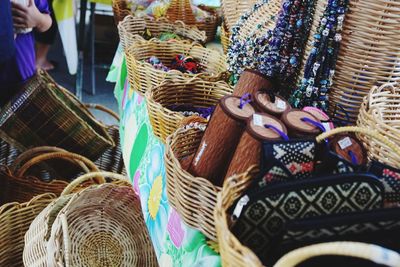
{"points": [[315, 123], [282, 134], [245, 99], [353, 158]]}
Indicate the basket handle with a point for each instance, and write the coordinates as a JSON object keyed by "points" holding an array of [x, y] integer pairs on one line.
{"points": [[390, 87], [368, 252], [89, 165], [67, 240], [360, 130], [103, 109], [89, 176]]}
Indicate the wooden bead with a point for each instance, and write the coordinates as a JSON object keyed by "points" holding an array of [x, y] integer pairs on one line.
{"points": [[344, 145], [248, 151], [275, 107], [251, 82], [220, 139], [298, 128]]}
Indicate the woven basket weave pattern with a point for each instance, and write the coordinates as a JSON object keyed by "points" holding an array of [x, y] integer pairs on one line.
{"points": [[234, 9]]}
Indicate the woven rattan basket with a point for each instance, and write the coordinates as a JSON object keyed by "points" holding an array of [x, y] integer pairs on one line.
{"points": [[182, 10], [233, 253], [381, 111], [15, 219], [143, 75], [174, 91], [43, 114], [232, 10], [369, 53], [99, 226], [194, 198], [369, 252], [132, 26], [224, 37]]}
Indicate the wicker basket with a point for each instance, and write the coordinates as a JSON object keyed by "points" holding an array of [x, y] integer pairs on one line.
{"points": [[182, 10], [175, 91], [132, 26], [225, 36], [232, 10], [99, 226], [15, 219], [381, 111], [369, 53], [111, 160], [42, 114], [233, 253], [143, 75], [369, 252], [18, 187], [194, 198], [121, 9]]}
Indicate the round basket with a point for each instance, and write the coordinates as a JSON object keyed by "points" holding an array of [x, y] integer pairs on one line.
{"points": [[99, 226], [224, 38], [233, 253], [175, 91], [194, 198], [15, 219], [132, 26], [369, 54], [143, 75], [182, 10], [232, 10], [381, 111]]}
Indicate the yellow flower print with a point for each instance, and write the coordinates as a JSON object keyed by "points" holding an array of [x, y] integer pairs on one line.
{"points": [[155, 197]]}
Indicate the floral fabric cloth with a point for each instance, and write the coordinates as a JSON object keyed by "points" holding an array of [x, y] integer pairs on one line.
{"points": [[175, 243]]}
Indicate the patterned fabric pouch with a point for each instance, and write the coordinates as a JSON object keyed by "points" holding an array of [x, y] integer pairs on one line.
{"points": [[261, 215], [284, 160], [390, 178]]}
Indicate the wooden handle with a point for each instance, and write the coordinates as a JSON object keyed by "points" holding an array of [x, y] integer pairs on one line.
{"points": [[90, 166], [89, 176], [360, 130], [364, 251], [103, 109]]}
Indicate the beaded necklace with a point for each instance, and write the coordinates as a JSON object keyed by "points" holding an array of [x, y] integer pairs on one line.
{"points": [[320, 67]]}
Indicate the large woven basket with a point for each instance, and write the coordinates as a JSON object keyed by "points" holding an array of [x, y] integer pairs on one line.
{"points": [[132, 26], [99, 226], [235, 254], [194, 198], [369, 54], [381, 111], [42, 114], [175, 91], [15, 219], [143, 75], [182, 10], [232, 10]]}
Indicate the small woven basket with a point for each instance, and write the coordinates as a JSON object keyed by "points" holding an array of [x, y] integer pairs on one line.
{"points": [[15, 219], [225, 36], [381, 111], [175, 91], [232, 10], [43, 114], [132, 26], [99, 226], [182, 10], [143, 76], [235, 254], [369, 252], [194, 198]]}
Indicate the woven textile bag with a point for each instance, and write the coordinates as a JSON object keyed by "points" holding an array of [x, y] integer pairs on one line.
{"points": [[99, 226], [369, 252], [43, 114], [15, 219], [132, 27], [16, 186]]}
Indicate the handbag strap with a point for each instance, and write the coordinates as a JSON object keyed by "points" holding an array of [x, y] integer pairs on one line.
{"points": [[364, 251]]}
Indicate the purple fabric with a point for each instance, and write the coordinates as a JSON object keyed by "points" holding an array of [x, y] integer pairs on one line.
{"points": [[22, 67]]}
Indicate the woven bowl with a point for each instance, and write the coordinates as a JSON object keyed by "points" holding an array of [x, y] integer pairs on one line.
{"points": [[132, 26], [143, 75], [380, 110], [176, 91], [194, 198]]}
